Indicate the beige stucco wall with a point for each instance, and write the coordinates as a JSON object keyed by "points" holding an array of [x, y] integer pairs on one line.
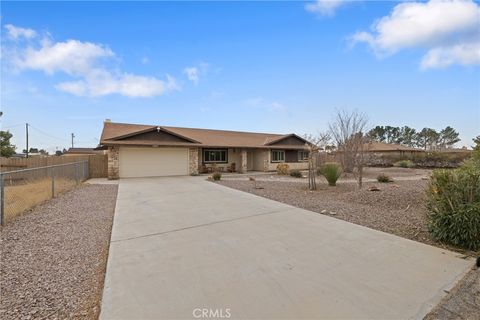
{"points": [[258, 160], [233, 157]]}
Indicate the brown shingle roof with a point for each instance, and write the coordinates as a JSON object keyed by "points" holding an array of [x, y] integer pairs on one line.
{"points": [[82, 151], [388, 147], [198, 137]]}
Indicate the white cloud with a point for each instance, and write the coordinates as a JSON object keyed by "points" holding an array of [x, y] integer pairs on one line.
{"points": [[103, 83], [277, 106], [72, 57], [448, 29], [192, 74], [259, 102], [86, 63], [325, 7], [17, 32], [464, 54]]}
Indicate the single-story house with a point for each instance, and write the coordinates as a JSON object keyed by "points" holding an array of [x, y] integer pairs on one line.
{"points": [[390, 148], [82, 151], [150, 150]]}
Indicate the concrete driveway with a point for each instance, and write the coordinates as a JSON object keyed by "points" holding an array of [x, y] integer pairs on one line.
{"points": [[185, 248]]}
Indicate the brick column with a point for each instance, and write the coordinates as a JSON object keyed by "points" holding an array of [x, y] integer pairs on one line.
{"points": [[193, 161], [113, 163], [266, 160], [243, 161]]}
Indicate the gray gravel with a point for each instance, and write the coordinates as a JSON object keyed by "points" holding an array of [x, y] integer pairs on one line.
{"points": [[53, 259], [399, 207], [463, 302]]}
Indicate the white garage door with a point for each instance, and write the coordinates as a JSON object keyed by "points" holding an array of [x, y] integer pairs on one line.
{"points": [[153, 162]]}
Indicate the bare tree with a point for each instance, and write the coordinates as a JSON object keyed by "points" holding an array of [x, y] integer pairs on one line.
{"points": [[347, 130], [315, 144]]}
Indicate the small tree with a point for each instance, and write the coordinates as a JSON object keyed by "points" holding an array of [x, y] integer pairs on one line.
{"points": [[345, 129], [7, 149], [314, 145]]}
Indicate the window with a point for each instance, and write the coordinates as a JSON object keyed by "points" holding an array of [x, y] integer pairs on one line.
{"points": [[278, 155], [302, 155], [215, 155]]}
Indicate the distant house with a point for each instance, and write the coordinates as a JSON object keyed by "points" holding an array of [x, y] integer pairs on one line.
{"points": [[82, 151], [151, 150], [393, 149]]}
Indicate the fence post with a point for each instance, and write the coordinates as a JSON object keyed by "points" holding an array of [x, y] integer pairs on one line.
{"points": [[53, 182], [76, 172], [2, 200]]}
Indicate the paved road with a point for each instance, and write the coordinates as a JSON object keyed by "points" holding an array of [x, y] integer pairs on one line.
{"points": [[182, 244]]}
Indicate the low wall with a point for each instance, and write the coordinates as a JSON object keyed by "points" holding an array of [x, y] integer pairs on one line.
{"points": [[272, 166]]}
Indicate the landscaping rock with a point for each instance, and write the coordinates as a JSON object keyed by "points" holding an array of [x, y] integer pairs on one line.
{"points": [[53, 258]]}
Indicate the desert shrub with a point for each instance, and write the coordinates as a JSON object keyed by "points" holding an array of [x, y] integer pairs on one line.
{"points": [[404, 164], [217, 176], [382, 177], [296, 173], [454, 206], [331, 171], [282, 168]]}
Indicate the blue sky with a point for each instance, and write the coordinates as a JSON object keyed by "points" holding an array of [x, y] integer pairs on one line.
{"points": [[256, 66]]}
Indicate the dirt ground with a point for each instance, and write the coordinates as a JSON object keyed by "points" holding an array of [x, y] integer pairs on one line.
{"points": [[53, 258]]}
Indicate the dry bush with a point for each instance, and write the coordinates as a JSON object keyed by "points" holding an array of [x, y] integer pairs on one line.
{"points": [[22, 197], [282, 168]]}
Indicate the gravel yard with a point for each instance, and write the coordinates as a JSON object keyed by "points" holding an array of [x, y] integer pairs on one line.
{"points": [[53, 259], [398, 208]]}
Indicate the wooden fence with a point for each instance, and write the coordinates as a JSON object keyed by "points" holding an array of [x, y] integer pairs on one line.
{"points": [[97, 163]]}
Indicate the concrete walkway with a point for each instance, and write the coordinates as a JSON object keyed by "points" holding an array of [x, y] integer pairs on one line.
{"points": [[180, 245]]}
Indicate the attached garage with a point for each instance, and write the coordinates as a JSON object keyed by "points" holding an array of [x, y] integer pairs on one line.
{"points": [[152, 162]]}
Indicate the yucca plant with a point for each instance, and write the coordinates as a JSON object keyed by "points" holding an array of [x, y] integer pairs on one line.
{"points": [[331, 171]]}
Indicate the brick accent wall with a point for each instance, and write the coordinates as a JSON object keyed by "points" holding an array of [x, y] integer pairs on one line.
{"points": [[193, 160], [113, 163]]}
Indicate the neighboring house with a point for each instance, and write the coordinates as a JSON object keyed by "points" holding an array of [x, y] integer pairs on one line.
{"points": [[147, 150], [391, 149], [82, 151]]}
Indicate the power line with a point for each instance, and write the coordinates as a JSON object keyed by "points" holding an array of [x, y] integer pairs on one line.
{"points": [[47, 134]]}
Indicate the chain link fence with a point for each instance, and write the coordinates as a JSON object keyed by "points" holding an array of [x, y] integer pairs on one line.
{"points": [[21, 190]]}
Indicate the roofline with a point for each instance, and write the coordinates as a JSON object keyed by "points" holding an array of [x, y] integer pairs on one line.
{"points": [[105, 144], [235, 131], [285, 137], [153, 128]]}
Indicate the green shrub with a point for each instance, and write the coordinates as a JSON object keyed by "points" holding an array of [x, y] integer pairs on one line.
{"points": [[382, 177], [454, 206], [404, 164], [295, 173], [331, 171], [217, 176], [282, 168]]}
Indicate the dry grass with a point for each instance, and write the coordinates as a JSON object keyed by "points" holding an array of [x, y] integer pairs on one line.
{"points": [[22, 197]]}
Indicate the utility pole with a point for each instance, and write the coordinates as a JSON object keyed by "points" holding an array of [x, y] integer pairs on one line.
{"points": [[73, 136], [26, 130]]}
